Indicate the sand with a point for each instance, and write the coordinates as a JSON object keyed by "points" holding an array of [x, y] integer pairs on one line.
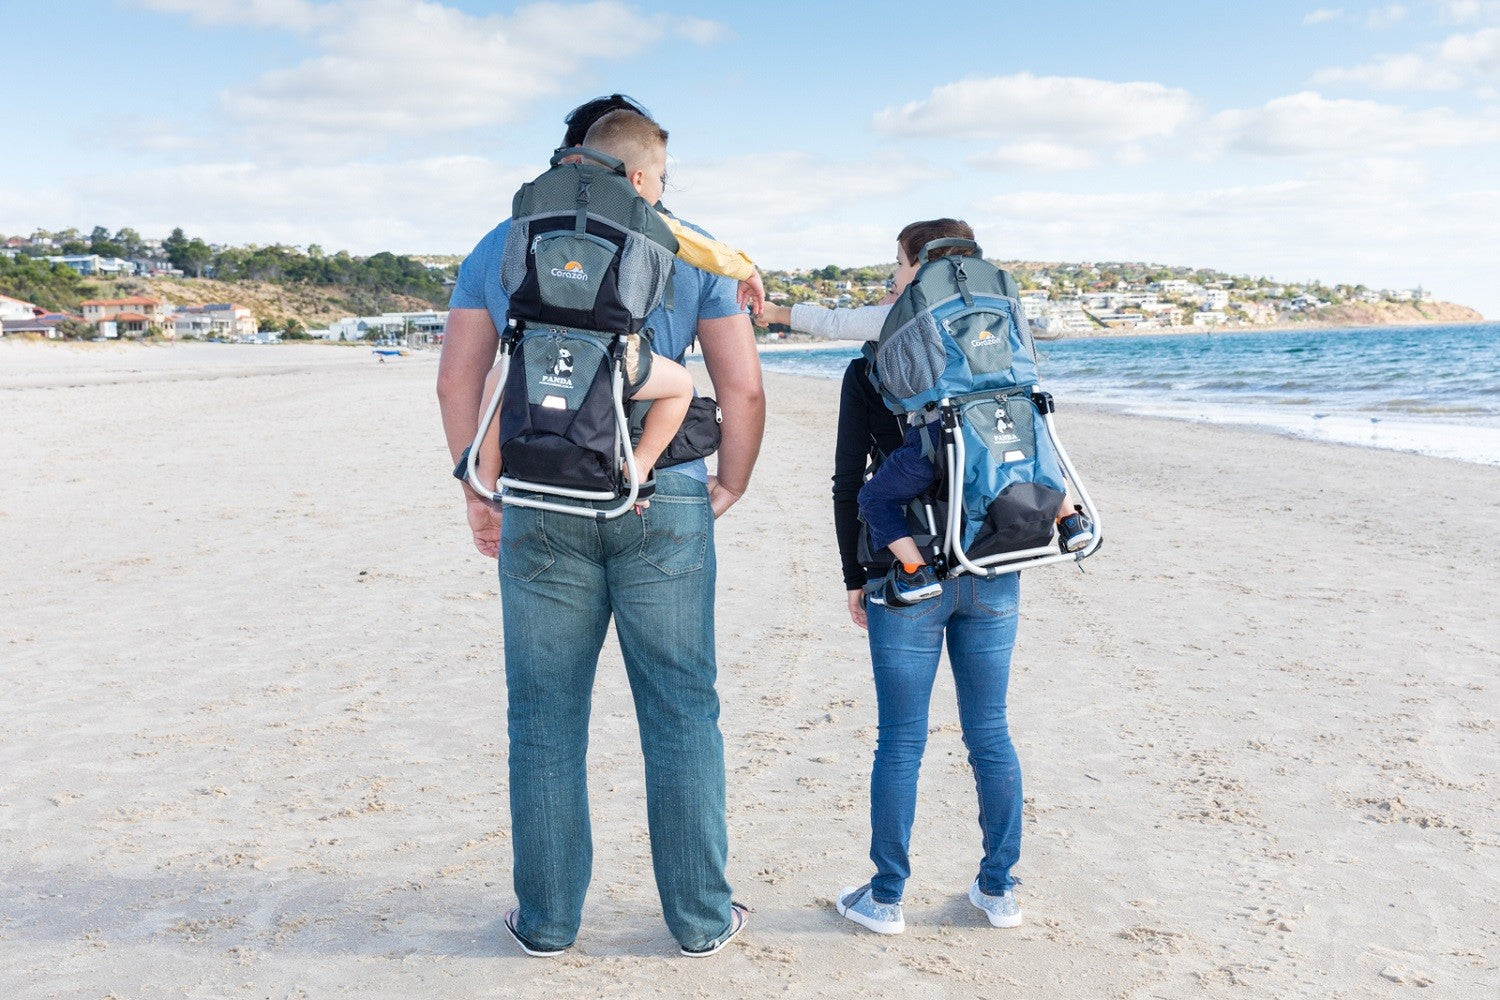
{"points": [[252, 714]]}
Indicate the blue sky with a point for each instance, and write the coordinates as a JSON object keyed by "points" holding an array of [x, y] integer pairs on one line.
{"points": [[1344, 142]]}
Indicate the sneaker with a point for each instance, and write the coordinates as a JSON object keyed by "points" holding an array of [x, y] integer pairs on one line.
{"points": [[1002, 910], [534, 950], [1074, 531], [902, 588], [859, 906], [739, 915]]}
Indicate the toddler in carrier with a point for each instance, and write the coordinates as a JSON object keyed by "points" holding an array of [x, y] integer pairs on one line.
{"points": [[908, 472], [641, 145]]}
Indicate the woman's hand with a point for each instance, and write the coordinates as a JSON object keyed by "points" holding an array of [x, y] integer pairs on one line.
{"points": [[857, 609], [772, 313]]}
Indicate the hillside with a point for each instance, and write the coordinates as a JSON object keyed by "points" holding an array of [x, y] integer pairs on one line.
{"points": [[315, 305], [1393, 314]]}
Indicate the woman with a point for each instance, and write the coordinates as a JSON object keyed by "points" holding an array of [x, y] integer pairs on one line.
{"points": [[976, 616]]}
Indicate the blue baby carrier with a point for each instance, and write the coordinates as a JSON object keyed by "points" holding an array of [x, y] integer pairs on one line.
{"points": [[585, 261], [956, 348]]}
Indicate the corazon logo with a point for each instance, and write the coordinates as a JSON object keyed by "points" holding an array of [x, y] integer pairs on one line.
{"points": [[572, 269]]}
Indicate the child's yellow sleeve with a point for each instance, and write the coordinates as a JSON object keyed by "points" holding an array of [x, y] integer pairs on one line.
{"points": [[711, 255]]}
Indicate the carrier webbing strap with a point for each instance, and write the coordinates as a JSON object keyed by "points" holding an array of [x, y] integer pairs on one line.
{"points": [[962, 278], [581, 219]]}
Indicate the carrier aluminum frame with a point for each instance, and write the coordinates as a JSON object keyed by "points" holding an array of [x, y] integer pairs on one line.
{"points": [[957, 559], [623, 450]]}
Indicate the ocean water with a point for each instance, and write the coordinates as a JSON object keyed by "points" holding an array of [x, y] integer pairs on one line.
{"points": [[1430, 389]]}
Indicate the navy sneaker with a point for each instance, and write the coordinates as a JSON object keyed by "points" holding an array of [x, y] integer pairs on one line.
{"points": [[902, 589], [1074, 531]]}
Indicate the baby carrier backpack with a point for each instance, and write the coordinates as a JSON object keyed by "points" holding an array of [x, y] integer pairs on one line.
{"points": [[956, 348], [584, 263]]}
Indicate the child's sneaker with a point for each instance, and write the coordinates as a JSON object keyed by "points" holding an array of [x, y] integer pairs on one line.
{"points": [[1074, 531], [902, 588], [859, 906], [1003, 910]]}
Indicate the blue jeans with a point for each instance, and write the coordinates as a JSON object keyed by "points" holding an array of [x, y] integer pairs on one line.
{"points": [[901, 478], [979, 618], [561, 578]]}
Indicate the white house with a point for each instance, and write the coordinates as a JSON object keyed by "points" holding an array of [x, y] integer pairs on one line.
{"points": [[16, 309], [222, 319]]}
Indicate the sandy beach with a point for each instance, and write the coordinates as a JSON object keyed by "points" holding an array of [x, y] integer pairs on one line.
{"points": [[252, 714]]}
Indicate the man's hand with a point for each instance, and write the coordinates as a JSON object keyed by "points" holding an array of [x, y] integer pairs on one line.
{"points": [[720, 497], [484, 522], [857, 609]]}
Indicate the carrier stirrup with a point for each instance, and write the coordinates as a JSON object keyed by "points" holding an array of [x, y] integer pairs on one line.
{"points": [[1002, 563], [638, 491]]}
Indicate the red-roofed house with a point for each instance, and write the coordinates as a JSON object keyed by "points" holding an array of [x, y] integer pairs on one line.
{"points": [[133, 317]]}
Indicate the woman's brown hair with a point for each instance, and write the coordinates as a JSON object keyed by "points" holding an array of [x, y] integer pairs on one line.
{"points": [[917, 235]]}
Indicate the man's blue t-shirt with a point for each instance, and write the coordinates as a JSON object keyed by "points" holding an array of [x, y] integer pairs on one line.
{"points": [[697, 295]]}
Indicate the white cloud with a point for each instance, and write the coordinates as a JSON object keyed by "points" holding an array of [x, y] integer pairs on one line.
{"points": [[1063, 109], [1323, 15], [1038, 155], [1377, 223], [702, 32], [1309, 124], [1054, 123], [802, 209], [1471, 11], [1385, 17], [295, 15], [1447, 65], [367, 86]]}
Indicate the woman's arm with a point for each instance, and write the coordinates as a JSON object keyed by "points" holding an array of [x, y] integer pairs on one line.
{"points": [[851, 453], [861, 323]]}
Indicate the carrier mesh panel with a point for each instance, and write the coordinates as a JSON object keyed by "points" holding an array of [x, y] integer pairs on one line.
{"points": [[560, 367], [912, 359], [570, 268], [644, 268], [513, 260]]}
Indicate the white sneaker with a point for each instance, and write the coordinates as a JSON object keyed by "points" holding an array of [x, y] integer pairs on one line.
{"points": [[859, 906], [1002, 910]]}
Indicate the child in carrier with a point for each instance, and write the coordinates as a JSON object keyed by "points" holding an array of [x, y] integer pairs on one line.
{"points": [[907, 473], [641, 145]]}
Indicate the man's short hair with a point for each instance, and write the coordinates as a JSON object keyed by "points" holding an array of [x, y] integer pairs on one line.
{"points": [[582, 118], [633, 138]]}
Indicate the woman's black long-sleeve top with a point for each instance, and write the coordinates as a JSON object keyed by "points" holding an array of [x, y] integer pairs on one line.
{"points": [[866, 429]]}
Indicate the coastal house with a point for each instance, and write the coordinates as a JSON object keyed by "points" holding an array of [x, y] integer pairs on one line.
{"points": [[414, 329], [16, 309], [44, 323], [90, 264], [222, 320], [131, 317]]}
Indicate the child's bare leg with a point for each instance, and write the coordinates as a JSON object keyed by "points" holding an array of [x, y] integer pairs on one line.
{"points": [[906, 552], [671, 388]]}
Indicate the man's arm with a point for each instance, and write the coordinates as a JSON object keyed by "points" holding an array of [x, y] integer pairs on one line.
{"points": [[469, 347], [734, 366]]}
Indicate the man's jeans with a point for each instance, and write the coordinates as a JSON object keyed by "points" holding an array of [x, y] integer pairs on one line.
{"points": [[979, 617], [561, 578]]}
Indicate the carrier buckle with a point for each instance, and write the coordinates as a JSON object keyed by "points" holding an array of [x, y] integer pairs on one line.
{"points": [[1042, 400]]}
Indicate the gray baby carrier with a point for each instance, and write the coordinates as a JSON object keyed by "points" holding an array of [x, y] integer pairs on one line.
{"points": [[956, 348], [584, 263]]}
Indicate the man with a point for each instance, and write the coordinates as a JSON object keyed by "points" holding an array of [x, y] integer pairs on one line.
{"points": [[561, 580]]}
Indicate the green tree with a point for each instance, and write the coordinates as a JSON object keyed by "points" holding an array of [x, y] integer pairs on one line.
{"points": [[76, 329]]}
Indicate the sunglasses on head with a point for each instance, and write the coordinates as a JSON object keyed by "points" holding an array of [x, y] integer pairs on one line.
{"points": [[600, 106]]}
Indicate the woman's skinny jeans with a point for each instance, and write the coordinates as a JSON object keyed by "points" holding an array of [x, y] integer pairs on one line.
{"points": [[979, 620]]}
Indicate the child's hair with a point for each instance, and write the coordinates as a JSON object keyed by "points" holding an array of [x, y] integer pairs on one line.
{"points": [[633, 138], [917, 235]]}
